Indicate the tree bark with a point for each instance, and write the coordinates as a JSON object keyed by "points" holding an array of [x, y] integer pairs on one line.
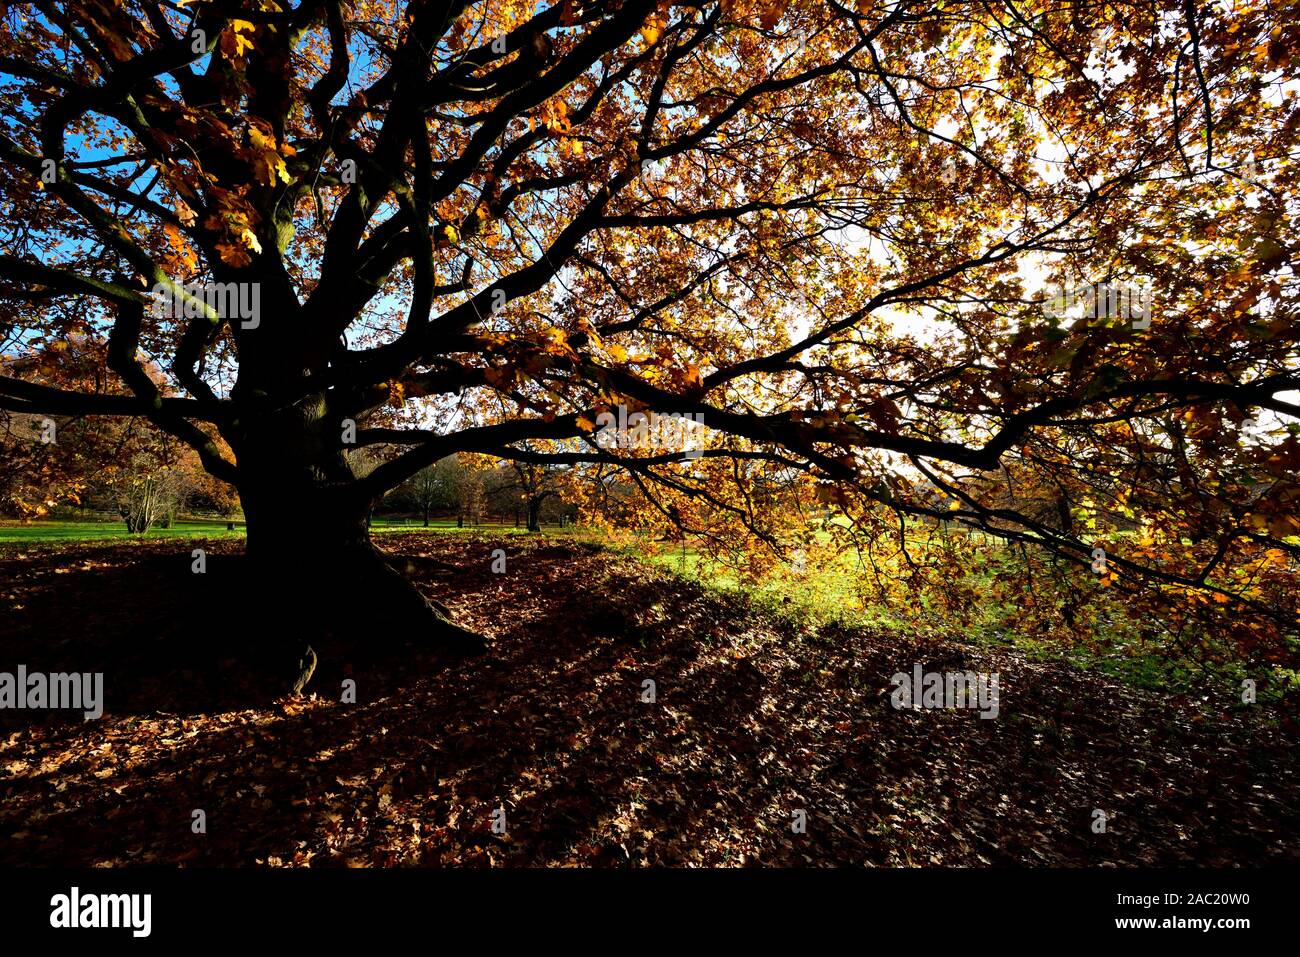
{"points": [[314, 571], [316, 544]]}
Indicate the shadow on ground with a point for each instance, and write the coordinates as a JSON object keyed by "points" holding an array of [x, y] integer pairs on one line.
{"points": [[752, 720]]}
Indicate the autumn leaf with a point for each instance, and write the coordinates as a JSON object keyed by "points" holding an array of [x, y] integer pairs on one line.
{"points": [[652, 29], [232, 255], [237, 39]]}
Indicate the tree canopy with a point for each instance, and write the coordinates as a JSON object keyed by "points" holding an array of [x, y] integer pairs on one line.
{"points": [[845, 236]]}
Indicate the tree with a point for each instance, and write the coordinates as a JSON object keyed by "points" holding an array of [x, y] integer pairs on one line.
{"points": [[523, 216], [528, 483], [120, 463], [146, 498], [37, 472], [49, 460], [437, 486], [470, 496], [154, 477]]}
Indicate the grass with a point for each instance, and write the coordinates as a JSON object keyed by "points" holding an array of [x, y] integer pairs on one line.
{"points": [[69, 530], [1114, 645], [819, 597], [64, 531]]}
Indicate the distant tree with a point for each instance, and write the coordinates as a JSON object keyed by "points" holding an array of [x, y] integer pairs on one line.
{"points": [[471, 498], [122, 464], [435, 487], [146, 497], [527, 486]]}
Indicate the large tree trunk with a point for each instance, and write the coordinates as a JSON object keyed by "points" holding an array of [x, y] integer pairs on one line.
{"points": [[315, 576]]}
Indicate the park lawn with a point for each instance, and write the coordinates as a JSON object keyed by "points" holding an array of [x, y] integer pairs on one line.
{"points": [[56, 530], [820, 597], [826, 596], [62, 530]]}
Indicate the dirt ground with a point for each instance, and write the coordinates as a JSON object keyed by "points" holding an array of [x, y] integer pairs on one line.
{"points": [[752, 720]]}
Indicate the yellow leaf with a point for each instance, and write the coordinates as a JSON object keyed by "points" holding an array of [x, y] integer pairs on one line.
{"points": [[249, 240], [273, 168], [242, 43], [652, 30], [233, 255], [261, 140], [187, 257], [233, 41]]}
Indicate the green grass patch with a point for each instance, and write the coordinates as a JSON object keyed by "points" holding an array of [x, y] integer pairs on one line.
{"points": [[66, 531]]}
